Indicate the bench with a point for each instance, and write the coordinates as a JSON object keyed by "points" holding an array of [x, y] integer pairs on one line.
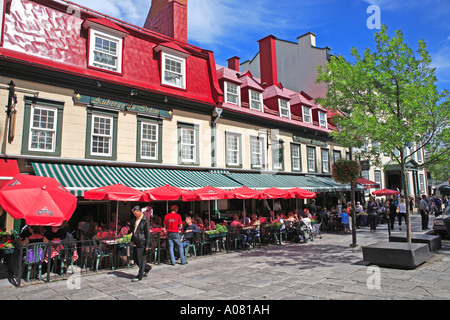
{"points": [[396, 254], [434, 242]]}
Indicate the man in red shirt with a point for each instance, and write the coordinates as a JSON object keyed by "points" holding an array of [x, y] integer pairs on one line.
{"points": [[173, 224]]}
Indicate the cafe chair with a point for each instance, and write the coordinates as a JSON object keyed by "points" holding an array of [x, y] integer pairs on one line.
{"points": [[34, 257], [193, 244], [100, 254], [204, 242]]}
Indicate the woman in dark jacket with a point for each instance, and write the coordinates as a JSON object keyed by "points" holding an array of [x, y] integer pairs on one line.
{"points": [[140, 229]]}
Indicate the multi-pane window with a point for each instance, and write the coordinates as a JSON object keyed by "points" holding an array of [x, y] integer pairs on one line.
{"points": [[188, 145], [325, 161], [306, 114], [336, 155], [311, 155], [295, 157], [174, 70], [232, 93], [378, 178], [284, 108], [277, 155], [323, 120], [256, 149], [149, 141], [102, 135], [256, 100], [422, 183], [105, 51], [43, 129], [233, 149], [419, 154]]}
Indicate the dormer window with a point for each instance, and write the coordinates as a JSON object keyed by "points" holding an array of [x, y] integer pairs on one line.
{"points": [[174, 70], [232, 93], [306, 114], [285, 109], [255, 100], [105, 44], [323, 120], [105, 51]]}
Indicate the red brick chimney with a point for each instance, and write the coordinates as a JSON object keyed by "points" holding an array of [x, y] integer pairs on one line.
{"points": [[233, 63], [268, 61], [168, 17]]}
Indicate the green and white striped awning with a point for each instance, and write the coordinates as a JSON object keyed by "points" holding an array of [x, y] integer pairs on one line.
{"points": [[80, 178], [261, 181]]}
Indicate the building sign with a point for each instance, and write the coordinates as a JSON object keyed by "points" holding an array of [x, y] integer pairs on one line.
{"points": [[123, 106], [365, 165], [309, 141]]}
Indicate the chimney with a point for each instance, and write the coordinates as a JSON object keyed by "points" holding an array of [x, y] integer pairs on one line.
{"points": [[233, 63], [268, 61], [168, 17]]}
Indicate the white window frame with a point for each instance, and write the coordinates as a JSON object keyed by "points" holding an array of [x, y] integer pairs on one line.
{"points": [[152, 141], [52, 131], [110, 136], [337, 155], [257, 142], [311, 160], [296, 159], [235, 152], [378, 178], [228, 85], [306, 111], [323, 123], [182, 74], [286, 108], [187, 145], [325, 162], [259, 101], [94, 33]]}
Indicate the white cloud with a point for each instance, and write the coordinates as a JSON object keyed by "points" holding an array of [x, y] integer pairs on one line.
{"points": [[441, 61]]}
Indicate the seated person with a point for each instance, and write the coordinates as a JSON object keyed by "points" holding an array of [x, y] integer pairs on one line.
{"points": [[237, 225], [188, 233], [35, 236], [55, 234]]}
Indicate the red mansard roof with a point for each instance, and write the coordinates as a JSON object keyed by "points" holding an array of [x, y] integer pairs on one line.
{"points": [[60, 44]]}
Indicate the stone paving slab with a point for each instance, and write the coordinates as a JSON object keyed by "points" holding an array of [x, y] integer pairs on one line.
{"points": [[326, 268]]}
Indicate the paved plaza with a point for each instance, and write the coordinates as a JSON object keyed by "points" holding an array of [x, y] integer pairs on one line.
{"points": [[325, 269]]}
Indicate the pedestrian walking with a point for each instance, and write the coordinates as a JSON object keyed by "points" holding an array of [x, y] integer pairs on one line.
{"points": [[140, 229], [424, 212], [401, 213], [372, 208], [392, 212], [173, 224]]}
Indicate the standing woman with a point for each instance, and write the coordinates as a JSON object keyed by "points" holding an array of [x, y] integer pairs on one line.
{"points": [[372, 208]]}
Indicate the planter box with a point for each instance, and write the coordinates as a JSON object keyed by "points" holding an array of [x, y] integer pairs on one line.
{"points": [[434, 242], [396, 254]]}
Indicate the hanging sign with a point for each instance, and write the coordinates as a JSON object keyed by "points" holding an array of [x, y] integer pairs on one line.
{"points": [[122, 106]]}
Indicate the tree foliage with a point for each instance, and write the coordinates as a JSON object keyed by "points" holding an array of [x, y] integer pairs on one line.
{"points": [[388, 100]]}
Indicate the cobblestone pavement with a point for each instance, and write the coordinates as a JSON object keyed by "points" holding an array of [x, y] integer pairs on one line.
{"points": [[325, 269]]}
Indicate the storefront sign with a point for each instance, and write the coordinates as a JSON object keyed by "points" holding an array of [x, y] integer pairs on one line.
{"points": [[123, 106], [309, 141]]}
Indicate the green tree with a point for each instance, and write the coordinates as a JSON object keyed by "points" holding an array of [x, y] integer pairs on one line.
{"points": [[388, 100]]}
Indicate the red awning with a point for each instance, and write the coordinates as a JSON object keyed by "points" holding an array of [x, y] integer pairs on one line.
{"points": [[8, 169], [367, 183]]}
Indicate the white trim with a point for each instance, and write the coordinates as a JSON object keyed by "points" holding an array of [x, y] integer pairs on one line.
{"points": [[178, 59], [309, 114], [93, 34], [110, 136], [55, 124], [288, 107], [156, 141], [260, 95], [238, 93]]}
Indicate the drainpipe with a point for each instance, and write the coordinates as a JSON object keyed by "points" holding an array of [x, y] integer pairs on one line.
{"points": [[217, 114]]}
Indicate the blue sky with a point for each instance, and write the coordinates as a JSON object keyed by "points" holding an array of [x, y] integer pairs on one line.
{"points": [[233, 27]]}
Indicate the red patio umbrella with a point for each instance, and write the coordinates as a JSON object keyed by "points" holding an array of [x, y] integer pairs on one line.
{"points": [[116, 192], [386, 192], [167, 193], [207, 193], [246, 193], [41, 201], [301, 193], [276, 193]]}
